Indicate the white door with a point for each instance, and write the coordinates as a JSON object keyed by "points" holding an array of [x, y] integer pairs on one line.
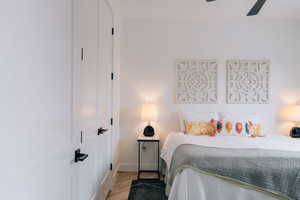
{"points": [[105, 91], [85, 96], [92, 99]]}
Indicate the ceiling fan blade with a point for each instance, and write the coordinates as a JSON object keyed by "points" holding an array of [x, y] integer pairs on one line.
{"points": [[210, 0], [256, 8]]}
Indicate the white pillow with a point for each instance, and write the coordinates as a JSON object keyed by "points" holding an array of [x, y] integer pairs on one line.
{"points": [[196, 116], [181, 122], [223, 115]]}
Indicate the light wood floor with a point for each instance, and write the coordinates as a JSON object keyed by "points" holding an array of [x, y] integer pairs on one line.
{"points": [[121, 188]]}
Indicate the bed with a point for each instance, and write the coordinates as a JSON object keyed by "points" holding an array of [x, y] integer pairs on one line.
{"points": [[196, 167]]}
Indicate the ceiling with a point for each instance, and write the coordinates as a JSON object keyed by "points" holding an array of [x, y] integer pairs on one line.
{"points": [[200, 9]]}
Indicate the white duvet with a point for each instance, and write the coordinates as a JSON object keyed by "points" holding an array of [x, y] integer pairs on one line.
{"points": [[174, 140]]}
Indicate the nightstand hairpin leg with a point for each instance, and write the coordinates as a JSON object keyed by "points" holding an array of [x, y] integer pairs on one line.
{"points": [[139, 167], [158, 160]]}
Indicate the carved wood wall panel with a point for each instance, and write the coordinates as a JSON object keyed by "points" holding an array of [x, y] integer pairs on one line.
{"points": [[248, 81], [196, 81]]}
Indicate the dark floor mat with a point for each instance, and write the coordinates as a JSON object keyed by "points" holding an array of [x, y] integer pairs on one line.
{"points": [[147, 189]]}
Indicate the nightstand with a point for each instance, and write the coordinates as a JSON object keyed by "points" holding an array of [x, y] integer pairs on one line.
{"points": [[140, 140]]}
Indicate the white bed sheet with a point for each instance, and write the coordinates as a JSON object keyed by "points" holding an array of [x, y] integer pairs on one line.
{"points": [[191, 185]]}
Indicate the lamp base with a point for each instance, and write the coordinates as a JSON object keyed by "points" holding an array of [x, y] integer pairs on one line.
{"points": [[295, 132], [149, 131]]}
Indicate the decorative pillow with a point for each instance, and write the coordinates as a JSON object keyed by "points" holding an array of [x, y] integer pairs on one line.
{"points": [[256, 130], [200, 128], [248, 126], [195, 116]]}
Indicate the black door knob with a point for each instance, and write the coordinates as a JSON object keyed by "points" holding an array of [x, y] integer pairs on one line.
{"points": [[79, 157], [101, 131]]}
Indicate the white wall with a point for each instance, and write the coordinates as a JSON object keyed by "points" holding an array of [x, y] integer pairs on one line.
{"points": [[35, 105], [150, 46]]}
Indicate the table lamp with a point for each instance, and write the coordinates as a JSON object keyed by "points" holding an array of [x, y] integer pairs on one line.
{"points": [[292, 114], [149, 114]]}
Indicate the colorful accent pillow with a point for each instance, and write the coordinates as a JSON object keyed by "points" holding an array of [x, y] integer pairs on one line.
{"points": [[239, 126], [200, 128], [256, 130]]}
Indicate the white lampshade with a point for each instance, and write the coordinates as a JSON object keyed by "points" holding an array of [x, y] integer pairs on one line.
{"points": [[149, 112], [291, 113]]}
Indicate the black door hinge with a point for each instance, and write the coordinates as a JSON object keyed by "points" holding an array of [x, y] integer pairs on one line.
{"points": [[112, 31], [81, 54], [112, 76], [111, 121], [111, 166]]}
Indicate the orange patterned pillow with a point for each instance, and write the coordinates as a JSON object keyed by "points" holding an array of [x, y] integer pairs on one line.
{"points": [[200, 128]]}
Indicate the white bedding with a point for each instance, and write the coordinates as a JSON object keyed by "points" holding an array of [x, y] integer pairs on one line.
{"points": [[191, 185], [174, 140]]}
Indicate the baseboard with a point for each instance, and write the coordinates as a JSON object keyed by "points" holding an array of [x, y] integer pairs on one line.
{"points": [[132, 167], [114, 173], [94, 196], [104, 188]]}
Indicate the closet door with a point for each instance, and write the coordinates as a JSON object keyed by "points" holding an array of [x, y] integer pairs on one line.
{"points": [[93, 97], [105, 96], [88, 83]]}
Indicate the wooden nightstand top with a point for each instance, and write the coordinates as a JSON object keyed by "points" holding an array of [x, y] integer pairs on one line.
{"points": [[144, 138]]}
